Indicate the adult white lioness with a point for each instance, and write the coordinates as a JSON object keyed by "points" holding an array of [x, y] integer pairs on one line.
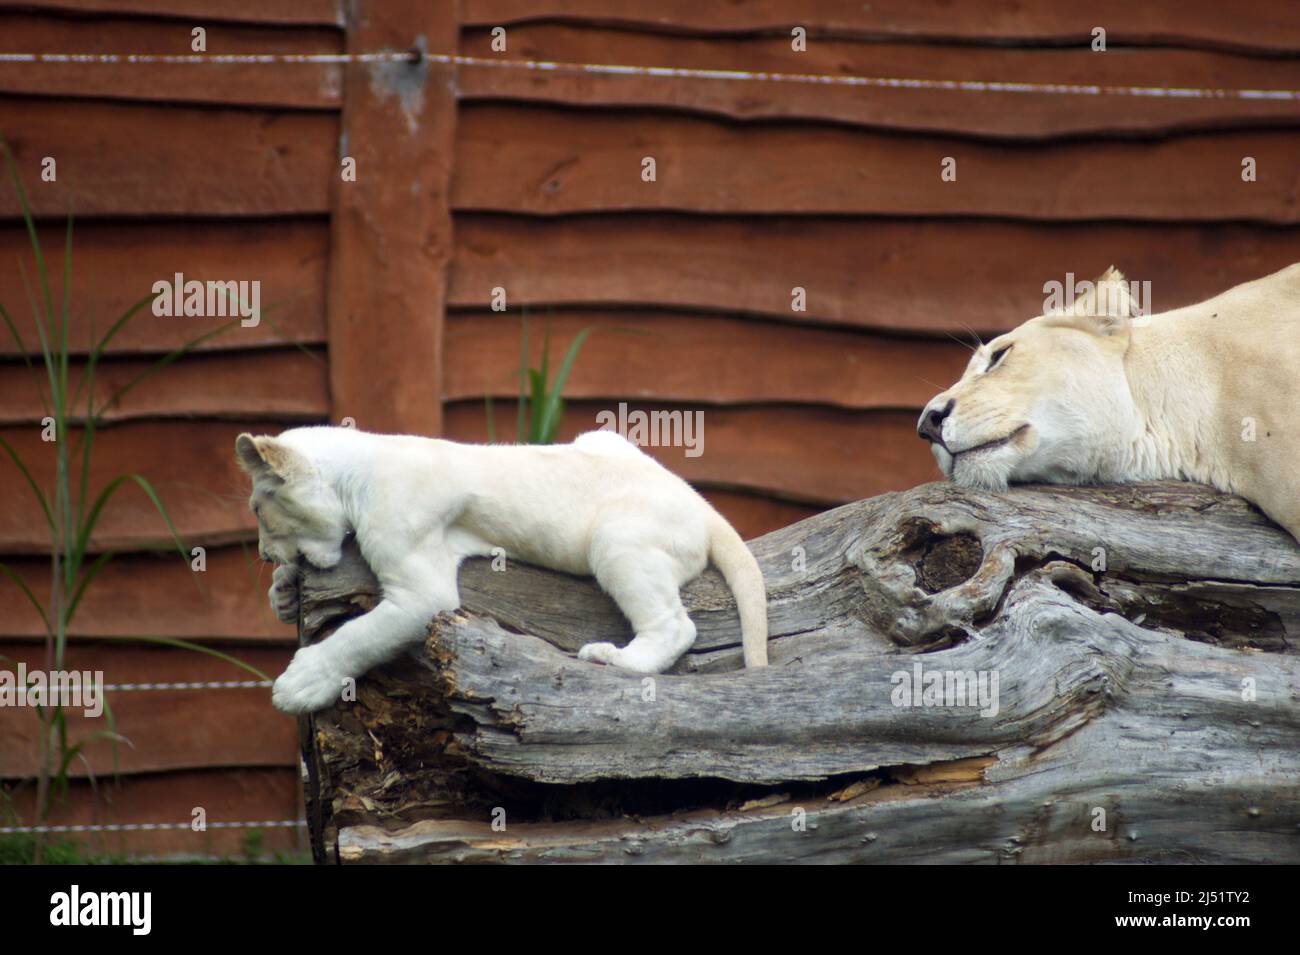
{"points": [[418, 507], [1207, 393]]}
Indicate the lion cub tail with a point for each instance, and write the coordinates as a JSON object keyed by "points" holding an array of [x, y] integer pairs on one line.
{"points": [[730, 555]]}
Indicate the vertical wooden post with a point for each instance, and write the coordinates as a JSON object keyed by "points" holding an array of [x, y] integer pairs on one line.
{"points": [[391, 227]]}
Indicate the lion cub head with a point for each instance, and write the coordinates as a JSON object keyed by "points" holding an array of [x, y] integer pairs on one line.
{"points": [[298, 514], [1048, 401]]}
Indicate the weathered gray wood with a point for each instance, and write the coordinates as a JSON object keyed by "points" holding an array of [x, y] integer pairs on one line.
{"points": [[1162, 687]]}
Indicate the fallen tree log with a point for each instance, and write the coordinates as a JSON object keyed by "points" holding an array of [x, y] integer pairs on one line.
{"points": [[1046, 675]]}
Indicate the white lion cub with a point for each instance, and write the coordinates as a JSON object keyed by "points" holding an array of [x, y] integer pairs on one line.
{"points": [[419, 506]]}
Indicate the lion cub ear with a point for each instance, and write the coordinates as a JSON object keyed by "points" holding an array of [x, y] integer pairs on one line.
{"points": [[1107, 303], [264, 456]]}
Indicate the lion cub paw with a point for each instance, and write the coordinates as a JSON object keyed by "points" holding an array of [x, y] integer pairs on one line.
{"points": [[284, 592], [309, 684], [631, 657], [642, 655], [600, 653]]}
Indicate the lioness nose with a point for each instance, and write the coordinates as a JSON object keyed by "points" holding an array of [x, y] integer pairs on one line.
{"points": [[930, 426]]}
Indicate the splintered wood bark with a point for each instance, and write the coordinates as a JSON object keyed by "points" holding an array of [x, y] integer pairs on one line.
{"points": [[1143, 640]]}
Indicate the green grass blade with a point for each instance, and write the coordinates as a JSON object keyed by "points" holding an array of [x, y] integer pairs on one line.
{"points": [[208, 651], [60, 722], [42, 333], [167, 359], [491, 419], [31, 482], [551, 430], [18, 338], [27, 591], [538, 388], [86, 577], [553, 410], [546, 349], [72, 752], [144, 485], [65, 315], [22, 350], [120, 322], [162, 363], [98, 350], [30, 222], [88, 526], [521, 412], [86, 443]]}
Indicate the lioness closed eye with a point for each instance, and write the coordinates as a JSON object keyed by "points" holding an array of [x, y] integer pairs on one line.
{"points": [[1207, 393], [418, 507]]}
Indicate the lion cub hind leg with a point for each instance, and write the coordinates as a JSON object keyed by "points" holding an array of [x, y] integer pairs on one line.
{"points": [[643, 580]]}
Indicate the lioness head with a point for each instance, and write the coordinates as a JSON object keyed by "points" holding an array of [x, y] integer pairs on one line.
{"points": [[1048, 401], [298, 514]]}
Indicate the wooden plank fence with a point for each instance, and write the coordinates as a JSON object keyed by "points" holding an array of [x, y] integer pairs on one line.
{"points": [[484, 176]]}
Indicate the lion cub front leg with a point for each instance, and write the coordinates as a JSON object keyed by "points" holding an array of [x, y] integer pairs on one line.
{"points": [[318, 674]]}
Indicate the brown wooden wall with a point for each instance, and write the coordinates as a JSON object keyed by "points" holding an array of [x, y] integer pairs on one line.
{"points": [[495, 177], [219, 173]]}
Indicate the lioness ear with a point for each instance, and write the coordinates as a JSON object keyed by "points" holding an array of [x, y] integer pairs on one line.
{"points": [[263, 455], [1107, 302]]}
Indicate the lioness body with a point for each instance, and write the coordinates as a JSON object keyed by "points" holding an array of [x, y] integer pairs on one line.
{"points": [[418, 507], [1206, 393]]}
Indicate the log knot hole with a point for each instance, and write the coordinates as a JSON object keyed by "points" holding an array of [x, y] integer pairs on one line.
{"points": [[940, 560]]}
